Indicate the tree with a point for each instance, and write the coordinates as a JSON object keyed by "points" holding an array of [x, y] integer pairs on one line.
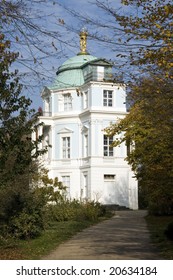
{"points": [[17, 151], [15, 118], [148, 131], [153, 25], [138, 33], [33, 29]]}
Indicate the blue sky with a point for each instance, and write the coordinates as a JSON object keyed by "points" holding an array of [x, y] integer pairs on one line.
{"points": [[38, 64], [65, 43]]}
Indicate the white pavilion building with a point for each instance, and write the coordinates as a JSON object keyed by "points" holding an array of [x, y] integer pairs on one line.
{"points": [[81, 103]]}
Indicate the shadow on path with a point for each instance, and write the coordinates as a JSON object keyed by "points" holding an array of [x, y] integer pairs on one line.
{"points": [[124, 236]]}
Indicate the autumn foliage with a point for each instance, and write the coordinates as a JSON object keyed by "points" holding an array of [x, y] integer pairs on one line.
{"points": [[148, 127]]}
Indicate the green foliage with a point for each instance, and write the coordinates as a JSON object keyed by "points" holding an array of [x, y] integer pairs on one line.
{"points": [[142, 200], [27, 213], [26, 225], [23, 210], [169, 231], [157, 226], [76, 211], [16, 121], [52, 189], [18, 204], [148, 127], [148, 130], [55, 234], [23, 214]]}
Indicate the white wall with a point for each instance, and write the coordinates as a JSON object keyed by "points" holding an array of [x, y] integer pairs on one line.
{"points": [[123, 189]]}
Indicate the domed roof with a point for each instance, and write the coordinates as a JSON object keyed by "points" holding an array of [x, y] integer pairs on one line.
{"points": [[76, 61], [70, 73]]}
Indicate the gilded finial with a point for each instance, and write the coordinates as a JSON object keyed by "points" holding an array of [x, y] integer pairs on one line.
{"points": [[83, 41]]}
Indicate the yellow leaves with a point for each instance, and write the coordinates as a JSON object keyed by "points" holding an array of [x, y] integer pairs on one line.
{"points": [[167, 9], [167, 33], [155, 26], [125, 2], [167, 37], [2, 45], [158, 25]]}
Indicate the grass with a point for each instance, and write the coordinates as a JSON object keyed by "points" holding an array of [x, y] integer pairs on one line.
{"points": [[32, 249], [54, 235], [58, 232], [157, 226]]}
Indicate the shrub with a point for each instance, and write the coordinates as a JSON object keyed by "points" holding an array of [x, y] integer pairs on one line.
{"points": [[169, 231], [30, 221], [160, 208], [61, 212], [76, 210], [26, 225], [92, 210], [23, 211]]}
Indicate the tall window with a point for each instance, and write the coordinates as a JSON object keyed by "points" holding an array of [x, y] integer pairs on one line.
{"points": [[107, 149], [47, 107], [100, 73], [67, 102], [84, 190], [85, 145], [108, 98], [66, 147], [85, 99], [66, 183]]}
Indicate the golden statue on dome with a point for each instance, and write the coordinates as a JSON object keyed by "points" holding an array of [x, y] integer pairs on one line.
{"points": [[83, 41]]}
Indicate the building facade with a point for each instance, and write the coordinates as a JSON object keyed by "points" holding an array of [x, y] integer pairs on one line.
{"points": [[81, 103]]}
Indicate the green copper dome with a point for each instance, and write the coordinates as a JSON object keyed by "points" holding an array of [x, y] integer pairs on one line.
{"points": [[76, 61], [70, 73]]}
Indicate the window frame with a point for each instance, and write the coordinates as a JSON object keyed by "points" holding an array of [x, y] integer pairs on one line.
{"points": [[66, 149], [84, 190], [85, 99], [109, 177], [107, 98], [85, 143], [66, 183], [67, 102], [107, 150]]}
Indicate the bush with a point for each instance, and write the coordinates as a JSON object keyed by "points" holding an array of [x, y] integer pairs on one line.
{"points": [[28, 216], [30, 221], [76, 211], [160, 208], [61, 212], [93, 210], [26, 225], [23, 209], [169, 231]]}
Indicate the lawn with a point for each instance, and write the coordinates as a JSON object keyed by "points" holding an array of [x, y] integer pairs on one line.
{"points": [[157, 226], [58, 232], [32, 249]]}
